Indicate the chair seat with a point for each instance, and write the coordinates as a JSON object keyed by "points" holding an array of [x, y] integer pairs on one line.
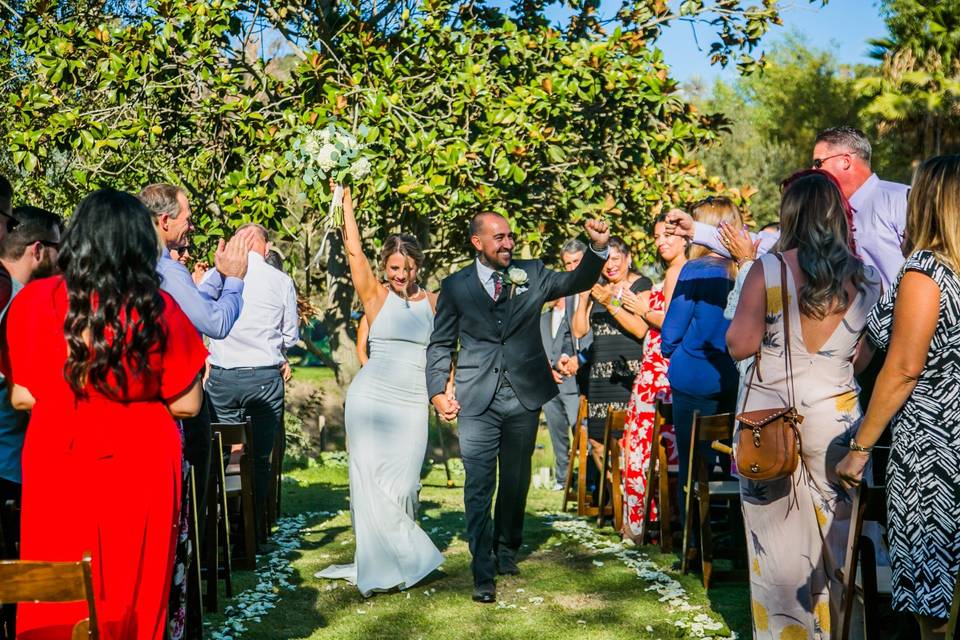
{"points": [[233, 485], [884, 580], [232, 469], [721, 488]]}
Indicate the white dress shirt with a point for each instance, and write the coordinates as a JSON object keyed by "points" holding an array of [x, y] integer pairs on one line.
{"points": [[268, 323]]}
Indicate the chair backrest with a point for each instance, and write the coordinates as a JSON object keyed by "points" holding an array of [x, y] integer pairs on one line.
{"points": [[32, 581], [869, 503], [663, 412], [615, 420], [234, 433], [715, 427]]}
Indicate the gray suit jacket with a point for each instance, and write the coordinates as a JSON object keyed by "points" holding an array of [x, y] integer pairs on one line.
{"points": [[557, 345], [499, 339]]}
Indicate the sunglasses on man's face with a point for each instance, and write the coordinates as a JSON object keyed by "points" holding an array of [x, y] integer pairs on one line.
{"points": [[818, 162]]}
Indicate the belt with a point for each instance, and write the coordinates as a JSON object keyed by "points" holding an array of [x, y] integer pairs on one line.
{"points": [[271, 367]]}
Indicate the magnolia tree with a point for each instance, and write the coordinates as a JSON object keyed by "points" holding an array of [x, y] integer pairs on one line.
{"points": [[460, 107]]}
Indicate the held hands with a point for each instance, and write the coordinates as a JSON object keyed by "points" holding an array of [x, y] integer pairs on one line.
{"points": [[564, 367], [738, 242], [230, 258], [850, 469], [446, 405], [680, 223], [599, 232]]}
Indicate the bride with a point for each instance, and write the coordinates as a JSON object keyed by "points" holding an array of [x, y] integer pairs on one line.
{"points": [[386, 418]]}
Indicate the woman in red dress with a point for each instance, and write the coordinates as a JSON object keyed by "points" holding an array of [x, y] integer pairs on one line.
{"points": [[101, 460], [649, 384]]}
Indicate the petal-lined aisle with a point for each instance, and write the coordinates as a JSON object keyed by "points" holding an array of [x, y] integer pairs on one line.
{"points": [[575, 582]]}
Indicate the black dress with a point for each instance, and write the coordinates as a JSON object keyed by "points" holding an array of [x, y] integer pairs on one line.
{"points": [[923, 473], [615, 362]]}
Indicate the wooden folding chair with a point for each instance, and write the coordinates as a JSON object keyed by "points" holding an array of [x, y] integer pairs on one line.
{"points": [[238, 484], [658, 481], [217, 537], [578, 458], [699, 489], [610, 471], [31, 581], [860, 575]]}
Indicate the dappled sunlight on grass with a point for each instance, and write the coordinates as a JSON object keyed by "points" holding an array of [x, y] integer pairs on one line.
{"points": [[565, 590]]}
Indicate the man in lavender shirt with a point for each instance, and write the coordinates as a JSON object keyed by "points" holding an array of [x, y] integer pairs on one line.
{"points": [[879, 207], [213, 308]]}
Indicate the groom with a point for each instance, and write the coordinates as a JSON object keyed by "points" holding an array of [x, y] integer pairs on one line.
{"points": [[489, 313]]}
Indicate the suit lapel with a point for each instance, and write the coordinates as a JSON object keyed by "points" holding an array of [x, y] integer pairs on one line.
{"points": [[480, 295]]}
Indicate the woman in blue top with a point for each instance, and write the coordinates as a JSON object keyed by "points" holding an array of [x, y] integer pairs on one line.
{"points": [[701, 374]]}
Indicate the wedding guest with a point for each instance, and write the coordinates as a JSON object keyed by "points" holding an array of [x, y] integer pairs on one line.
{"points": [[212, 309], [274, 259], [571, 254], [387, 415], [617, 347], [830, 293], [106, 362], [561, 411], [701, 374], [29, 252], [246, 366], [916, 322], [650, 384]]}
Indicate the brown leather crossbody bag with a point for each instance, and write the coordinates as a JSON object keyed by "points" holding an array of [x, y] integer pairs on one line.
{"points": [[768, 440]]}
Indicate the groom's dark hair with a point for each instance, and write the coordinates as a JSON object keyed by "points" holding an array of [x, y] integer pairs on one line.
{"points": [[476, 222]]}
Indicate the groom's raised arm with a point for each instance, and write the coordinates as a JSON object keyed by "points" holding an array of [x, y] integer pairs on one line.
{"points": [[559, 284], [443, 341]]}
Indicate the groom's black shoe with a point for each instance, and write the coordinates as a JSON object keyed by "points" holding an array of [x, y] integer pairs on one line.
{"points": [[507, 566], [485, 594]]}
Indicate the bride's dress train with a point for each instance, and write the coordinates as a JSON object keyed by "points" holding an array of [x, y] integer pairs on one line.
{"points": [[386, 419]]}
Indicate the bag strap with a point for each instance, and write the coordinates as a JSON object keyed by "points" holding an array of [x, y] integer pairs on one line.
{"points": [[787, 355], [787, 351]]}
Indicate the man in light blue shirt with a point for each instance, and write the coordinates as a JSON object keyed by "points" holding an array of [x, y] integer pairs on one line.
{"points": [[212, 308], [879, 207]]}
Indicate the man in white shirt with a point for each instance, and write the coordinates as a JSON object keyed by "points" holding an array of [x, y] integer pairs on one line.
{"points": [[246, 377]]}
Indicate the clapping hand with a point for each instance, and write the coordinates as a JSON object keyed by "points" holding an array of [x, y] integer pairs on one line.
{"points": [[230, 258], [679, 223], [599, 232], [637, 305], [738, 242], [602, 293]]}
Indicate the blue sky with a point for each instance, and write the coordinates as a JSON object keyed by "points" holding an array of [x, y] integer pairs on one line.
{"points": [[843, 26]]}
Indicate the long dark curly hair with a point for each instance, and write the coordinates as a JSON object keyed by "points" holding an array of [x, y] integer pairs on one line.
{"points": [[109, 262]]}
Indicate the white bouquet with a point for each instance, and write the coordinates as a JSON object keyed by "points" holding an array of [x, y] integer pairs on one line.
{"points": [[330, 153]]}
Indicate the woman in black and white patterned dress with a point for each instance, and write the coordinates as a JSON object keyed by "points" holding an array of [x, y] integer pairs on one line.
{"points": [[918, 393]]}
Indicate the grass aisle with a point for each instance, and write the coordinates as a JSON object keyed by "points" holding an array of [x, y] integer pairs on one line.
{"points": [[575, 582]]}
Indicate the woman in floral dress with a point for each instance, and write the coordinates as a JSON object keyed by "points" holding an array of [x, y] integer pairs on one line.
{"points": [[651, 383], [797, 526]]}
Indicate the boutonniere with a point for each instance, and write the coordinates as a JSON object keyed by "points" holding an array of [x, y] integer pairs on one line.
{"points": [[517, 278]]}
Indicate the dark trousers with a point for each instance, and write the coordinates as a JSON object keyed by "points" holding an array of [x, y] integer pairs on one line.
{"points": [[10, 525], [501, 437], [561, 413], [684, 404], [237, 393]]}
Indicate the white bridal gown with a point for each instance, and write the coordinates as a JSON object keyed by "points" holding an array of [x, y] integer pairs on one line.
{"points": [[386, 419]]}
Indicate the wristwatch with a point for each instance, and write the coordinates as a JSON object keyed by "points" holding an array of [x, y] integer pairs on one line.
{"points": [[857, 447]]}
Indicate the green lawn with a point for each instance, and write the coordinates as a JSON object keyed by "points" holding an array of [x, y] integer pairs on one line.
{"points": [[312, 374], [574, 582]]}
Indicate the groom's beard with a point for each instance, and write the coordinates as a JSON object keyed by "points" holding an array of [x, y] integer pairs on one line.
{"points": [[494, 262]]}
